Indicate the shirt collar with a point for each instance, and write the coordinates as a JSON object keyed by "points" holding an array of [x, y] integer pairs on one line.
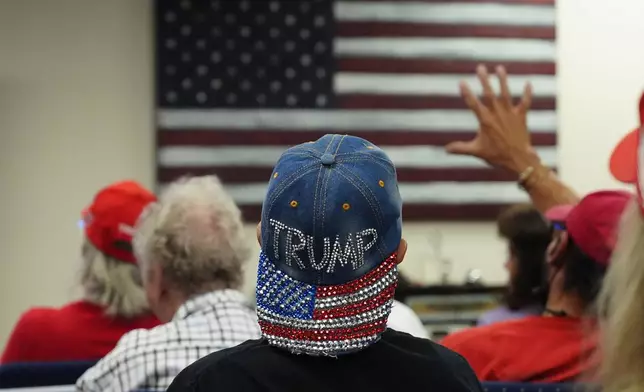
{"points": [[212, 299]]}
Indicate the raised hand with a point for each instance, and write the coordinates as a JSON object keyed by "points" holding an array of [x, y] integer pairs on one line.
{"points": [[503, 138]]}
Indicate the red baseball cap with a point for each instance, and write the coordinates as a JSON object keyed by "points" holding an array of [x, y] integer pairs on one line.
{"points": [[109, 221], [593, 223], [627, 159]]}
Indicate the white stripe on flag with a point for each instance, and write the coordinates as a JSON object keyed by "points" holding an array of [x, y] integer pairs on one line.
{"points": [[402, 156], [416, 193], [446, 13], [341, 120], [479, 49], [354, 82]]}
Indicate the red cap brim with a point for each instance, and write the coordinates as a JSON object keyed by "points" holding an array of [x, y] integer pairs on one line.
{"points": [[623, 161]]}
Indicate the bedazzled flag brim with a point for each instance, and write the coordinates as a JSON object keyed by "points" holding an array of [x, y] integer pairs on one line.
{"points": [[324, 320]]}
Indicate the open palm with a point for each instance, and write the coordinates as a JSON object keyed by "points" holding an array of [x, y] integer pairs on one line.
{"points": [[503, 138]]}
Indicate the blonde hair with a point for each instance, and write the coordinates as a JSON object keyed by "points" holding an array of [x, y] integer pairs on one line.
{"points": [[622, 309], [112, 284], [195, 232]]}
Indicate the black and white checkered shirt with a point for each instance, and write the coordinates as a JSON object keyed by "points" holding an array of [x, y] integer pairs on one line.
{"points": [[150, 359]]}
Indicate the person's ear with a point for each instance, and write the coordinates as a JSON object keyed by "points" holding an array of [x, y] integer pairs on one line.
{"points": [[259, 233], [556, 247], [402, 250]]}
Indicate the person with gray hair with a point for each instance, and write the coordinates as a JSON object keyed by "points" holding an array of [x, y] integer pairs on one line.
{"points": [[191, 249], [113, 300]]}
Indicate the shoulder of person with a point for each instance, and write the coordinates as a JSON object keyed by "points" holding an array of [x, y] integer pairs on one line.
{"points": [[34, 321], [25, 339], [421, 346], [122, 362], [39, 314], [147, 321], [465, 336], [403, 318], [456, 373], [402, 310], [220, 368], [487, 333], [464, 377], [481, 344]]}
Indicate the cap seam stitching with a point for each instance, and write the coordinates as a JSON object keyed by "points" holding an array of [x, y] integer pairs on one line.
{"points": [[375, 209], [288, 181]]}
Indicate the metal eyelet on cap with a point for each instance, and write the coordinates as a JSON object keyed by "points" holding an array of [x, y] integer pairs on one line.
{"points": [[346, 206], [294, 203], [327, 159], [381, 183]]}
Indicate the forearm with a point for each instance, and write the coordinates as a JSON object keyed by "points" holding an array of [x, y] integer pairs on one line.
{"points": [[546, 190]]}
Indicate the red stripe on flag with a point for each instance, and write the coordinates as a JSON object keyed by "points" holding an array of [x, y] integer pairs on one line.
{"points": [[259, 137], [255, 174], [393, 29], [383, 101], [296, 334], [420, 212], [369, 279], [427, 66]]}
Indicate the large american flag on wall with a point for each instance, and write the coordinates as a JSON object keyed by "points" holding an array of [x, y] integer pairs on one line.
{"points": [[240, 81]]}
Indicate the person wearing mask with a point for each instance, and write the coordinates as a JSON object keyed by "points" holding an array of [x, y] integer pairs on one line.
{"points": [[113, 301], [191, 248], [528, 234], [331, 241]]}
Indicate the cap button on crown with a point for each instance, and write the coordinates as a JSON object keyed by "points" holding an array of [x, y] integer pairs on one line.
{"points": [[327, 159]]}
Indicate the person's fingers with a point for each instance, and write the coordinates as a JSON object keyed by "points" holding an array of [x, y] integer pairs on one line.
{"points": [[484, 78], [462, 148], [526, 99], [506, 96], [470, 99]]}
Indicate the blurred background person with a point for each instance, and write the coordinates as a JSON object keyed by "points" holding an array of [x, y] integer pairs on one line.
{"points": [[577, 260], [192, 247], [621, 298], [528, 234], [113, 300], [577, 257]]}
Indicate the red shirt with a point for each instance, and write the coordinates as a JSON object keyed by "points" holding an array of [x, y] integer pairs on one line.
{"points": [[77, 331], [531, 349]]}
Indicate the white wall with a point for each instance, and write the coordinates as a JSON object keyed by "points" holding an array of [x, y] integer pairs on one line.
{"points": [[76, 113], [600, 78], [75, 99]]}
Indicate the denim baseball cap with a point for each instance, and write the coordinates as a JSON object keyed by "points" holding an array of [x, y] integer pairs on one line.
{"points": [[331, 226]]}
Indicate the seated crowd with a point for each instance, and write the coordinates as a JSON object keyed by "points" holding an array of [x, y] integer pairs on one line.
{"points": [[161, 277]]}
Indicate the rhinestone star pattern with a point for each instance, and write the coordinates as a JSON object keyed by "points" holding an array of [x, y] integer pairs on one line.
{"points": [[324, 320]]}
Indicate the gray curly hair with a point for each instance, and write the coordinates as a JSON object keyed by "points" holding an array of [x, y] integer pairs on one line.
{"points": [[195, 232]]}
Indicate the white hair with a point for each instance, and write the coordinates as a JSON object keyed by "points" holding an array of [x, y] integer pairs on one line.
{"points": [[622, 308], [195, 232], [112, 284]]}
